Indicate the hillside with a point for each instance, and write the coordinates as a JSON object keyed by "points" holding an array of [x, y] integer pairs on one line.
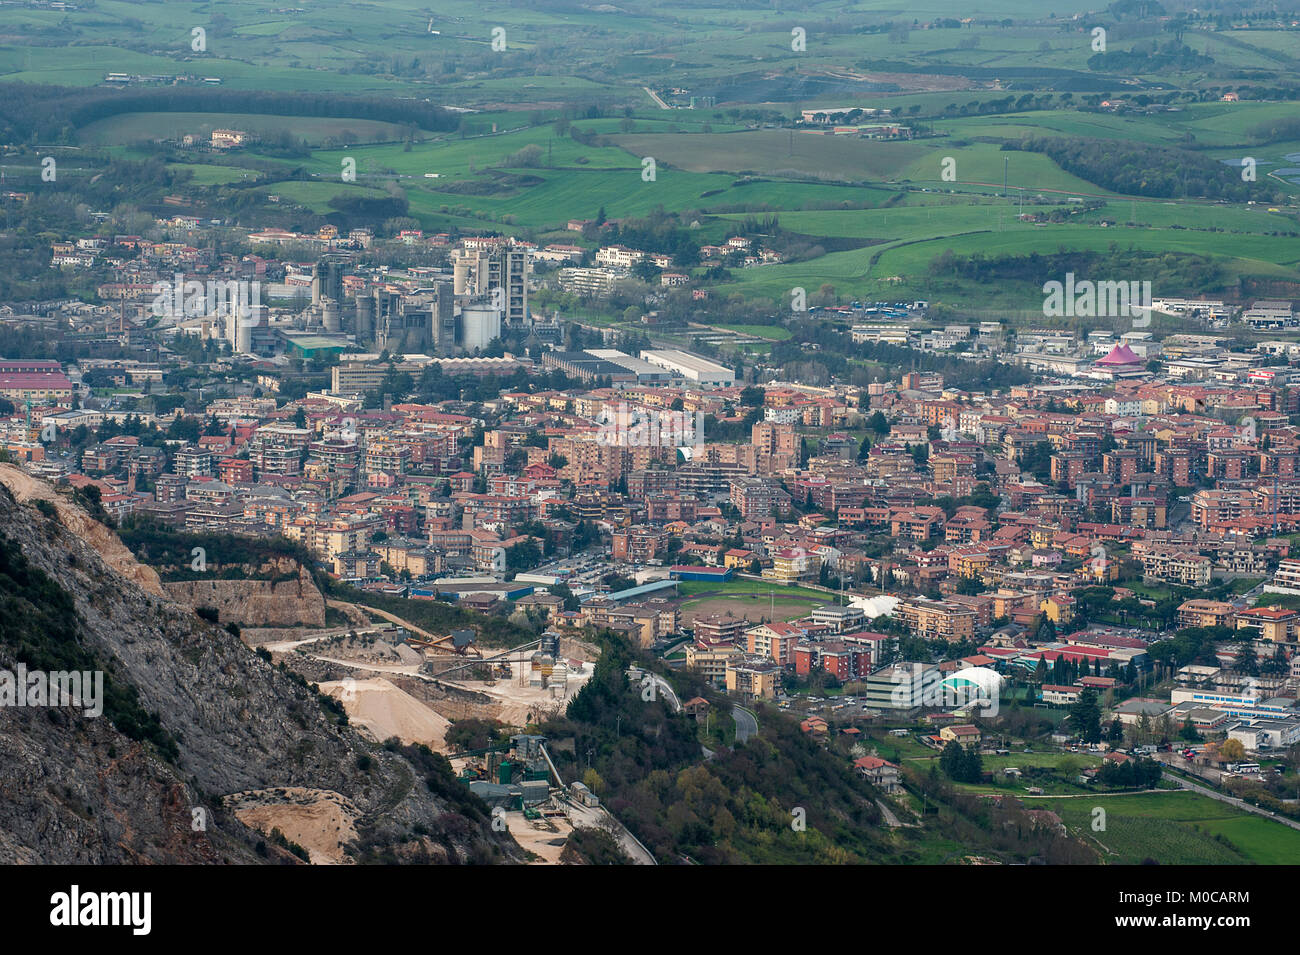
{"points": [[191, 717]]}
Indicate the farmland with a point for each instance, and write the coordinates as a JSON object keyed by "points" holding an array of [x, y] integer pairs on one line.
{"points": [[555, 123], [147, 127], [1175, 828]]}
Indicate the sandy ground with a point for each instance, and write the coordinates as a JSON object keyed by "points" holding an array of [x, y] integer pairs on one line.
{"points": [[380, 710], [518, 703], [534, 836], [319, 820], [284, 646], [405, 669]]}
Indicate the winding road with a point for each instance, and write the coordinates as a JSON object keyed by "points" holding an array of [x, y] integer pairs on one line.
{"points": [[746, 723]]}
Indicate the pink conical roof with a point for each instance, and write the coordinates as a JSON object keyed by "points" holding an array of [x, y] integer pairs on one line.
{"points": [[1120, 355]]}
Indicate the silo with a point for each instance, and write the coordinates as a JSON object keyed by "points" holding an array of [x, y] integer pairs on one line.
{"points": [[460, 274], [365, 329], [480, 324], [331, 316], [444, 320]]}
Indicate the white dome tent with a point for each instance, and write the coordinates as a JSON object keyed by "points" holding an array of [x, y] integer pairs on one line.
{"points": [[970, 685]]}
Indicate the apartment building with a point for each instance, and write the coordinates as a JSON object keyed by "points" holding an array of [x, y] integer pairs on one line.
{"points": [[712, 662], [1206, 613], [639, 545], [793, 564], [1275, 624], [753, 679], [905, 686], [713, 630], [936, 619], [1182, 567], [773, 641], [841, 660]]}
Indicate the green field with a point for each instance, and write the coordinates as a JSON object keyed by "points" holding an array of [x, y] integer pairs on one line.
{"points": [[512, 166], [147, 127], [317, 195], [688, 588], [1176, 828], [206, 174]]}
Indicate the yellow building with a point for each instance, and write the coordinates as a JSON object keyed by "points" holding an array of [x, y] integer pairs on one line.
{"points": [[1278, 624], [1057, 608], [753, 679], [712, 663]]}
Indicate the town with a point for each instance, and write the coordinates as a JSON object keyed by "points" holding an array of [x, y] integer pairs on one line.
{"points": [[1103, 553], [576, 435]]}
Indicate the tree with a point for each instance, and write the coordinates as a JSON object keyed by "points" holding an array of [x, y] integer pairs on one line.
{"points": [[1232, 749], [591, 779], [1085, 716], [1247, 661], [951, 759], [1143, 733]]}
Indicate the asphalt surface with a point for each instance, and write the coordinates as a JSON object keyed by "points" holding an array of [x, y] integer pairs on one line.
{"points": [[746, 723]]}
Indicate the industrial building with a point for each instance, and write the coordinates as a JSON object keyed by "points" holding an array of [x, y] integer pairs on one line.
{"points": [[692, 368], [619, 367], [479, 273]]}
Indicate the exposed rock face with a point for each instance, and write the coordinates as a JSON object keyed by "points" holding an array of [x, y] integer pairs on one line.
{"points": [[320, 822], [79, 789], [255, 603], [114, 553]]}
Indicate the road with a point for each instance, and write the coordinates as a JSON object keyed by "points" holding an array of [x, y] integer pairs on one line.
{"points": [[655, 96], [1232, 801], [664, 687], [391, 617], [746, 723], [284, 646], [891, 820], [599, 817]]}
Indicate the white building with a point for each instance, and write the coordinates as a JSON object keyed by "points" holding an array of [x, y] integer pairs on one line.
{"points": [[701, 371]]}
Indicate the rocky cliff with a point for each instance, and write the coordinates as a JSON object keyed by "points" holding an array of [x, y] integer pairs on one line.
{"points": [[255, 603], [194, 721]]}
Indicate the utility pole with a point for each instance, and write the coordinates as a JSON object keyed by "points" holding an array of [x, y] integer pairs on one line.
{"points": [[1005, 161]]}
